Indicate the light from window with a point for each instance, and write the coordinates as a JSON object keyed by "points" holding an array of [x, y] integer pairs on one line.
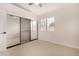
{"points": [[50, 24]]}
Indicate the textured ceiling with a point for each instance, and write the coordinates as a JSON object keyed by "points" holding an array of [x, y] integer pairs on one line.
{"points": [[46, 7]]}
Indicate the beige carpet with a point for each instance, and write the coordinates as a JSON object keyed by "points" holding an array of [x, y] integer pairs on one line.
{"points": [[40, 48]]}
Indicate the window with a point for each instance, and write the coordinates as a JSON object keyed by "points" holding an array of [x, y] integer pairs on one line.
{"points": [[33, 25], [47, 24], [43, 24], [50, 24]]}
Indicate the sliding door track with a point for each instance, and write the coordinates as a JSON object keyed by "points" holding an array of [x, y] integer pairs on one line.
{"points": [[13, 46]]}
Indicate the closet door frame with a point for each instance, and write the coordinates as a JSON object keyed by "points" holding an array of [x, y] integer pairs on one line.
{"points": [[20, 31]]}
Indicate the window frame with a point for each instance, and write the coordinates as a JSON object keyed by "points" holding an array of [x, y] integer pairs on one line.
{"points": [[46, 24]]}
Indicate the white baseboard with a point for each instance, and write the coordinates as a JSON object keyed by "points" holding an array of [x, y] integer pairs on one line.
{"points": [[63, 44]]}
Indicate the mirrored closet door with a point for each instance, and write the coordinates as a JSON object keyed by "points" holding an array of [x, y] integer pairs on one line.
{"points": [[25, 30], [13, 30]]}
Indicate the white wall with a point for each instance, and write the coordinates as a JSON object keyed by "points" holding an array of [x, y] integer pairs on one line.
{"points": [[66, 27], [3, 37]]}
